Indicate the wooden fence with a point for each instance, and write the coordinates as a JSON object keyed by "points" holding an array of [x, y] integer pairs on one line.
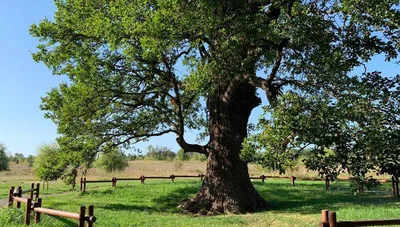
{"points": [[329, 220], [113, 181], [31, 206], [142, 178]]}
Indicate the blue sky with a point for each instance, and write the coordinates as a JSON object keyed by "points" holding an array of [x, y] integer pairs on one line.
{"points": [[23, 81]]}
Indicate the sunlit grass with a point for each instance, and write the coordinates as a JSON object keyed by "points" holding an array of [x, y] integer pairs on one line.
{"points": [[155, 203]]}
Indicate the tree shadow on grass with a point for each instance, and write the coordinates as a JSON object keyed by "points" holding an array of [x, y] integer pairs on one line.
{"points": [[311, 198], [164, 204], [304, 198], [66, 221]]}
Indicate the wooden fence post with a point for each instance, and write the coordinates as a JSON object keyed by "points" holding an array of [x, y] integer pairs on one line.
{"points": [[37, 214], [142, 178], [172, 177], [113, 182], [332, 219], [293, 179], [324, 219], [201, 177], [84, 184], [37, 191], [262, 178], [19, 194], [81, 184], [32, 190], [82, 216], [327, 183], [28, 211], [91, 214], [10, 197]]}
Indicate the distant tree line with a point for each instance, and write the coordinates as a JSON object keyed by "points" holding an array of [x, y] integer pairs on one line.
{"points": [[50, 163], [162, 153], [6, 157]]}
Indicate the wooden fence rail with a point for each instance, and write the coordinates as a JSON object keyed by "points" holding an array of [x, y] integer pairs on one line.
{"points": [[329, 220], [142, 178], [38, 209], [327, 179]]}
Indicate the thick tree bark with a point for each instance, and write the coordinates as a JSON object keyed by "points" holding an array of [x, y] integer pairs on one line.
{"points": [[227, 187]]}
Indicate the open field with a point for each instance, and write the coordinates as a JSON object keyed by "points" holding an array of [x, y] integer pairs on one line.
{"points": [[155, 202]]}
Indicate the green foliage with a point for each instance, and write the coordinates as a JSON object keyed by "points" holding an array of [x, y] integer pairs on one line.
{"points": [[356, 131], [49, 164], [18, 157], [4, 159], [69, 175], [159, 153], [11, 217], [139, 69], [361, 182], [30, 159], [197, 157], [182, 156], [111, 161]]}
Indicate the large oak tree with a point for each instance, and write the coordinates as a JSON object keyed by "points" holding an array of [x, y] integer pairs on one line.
{"points": [[146, 68]]}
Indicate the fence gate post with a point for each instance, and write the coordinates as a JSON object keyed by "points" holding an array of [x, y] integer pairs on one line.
{"points": [[37, 191], [91, 214], [324, 219], [32, 189], [262, 178], [19, 194], [84, 184], [28, 211], [172, 177], [82, 216], [293, 180], [332, 219], [327, 183], [10, 197], [37, 214]]}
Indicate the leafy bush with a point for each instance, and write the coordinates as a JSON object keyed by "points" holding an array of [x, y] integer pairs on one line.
{"points": [[49, 164], [4, 160], [112, 161], [159, 153], [182, 156], [197, 157]]}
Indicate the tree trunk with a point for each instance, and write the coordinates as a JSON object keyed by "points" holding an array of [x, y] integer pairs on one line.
{"points": [[227, 187]]}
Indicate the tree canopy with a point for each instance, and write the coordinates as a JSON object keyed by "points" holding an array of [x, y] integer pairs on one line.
{"points": [[4, 159], [139, 69], [48, 163]]}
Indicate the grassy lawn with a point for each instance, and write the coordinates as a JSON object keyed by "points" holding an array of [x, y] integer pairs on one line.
{"points": [[155, 203]]}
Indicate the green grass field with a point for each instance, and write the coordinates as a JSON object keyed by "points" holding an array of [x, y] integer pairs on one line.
{"points": [[155, 203]]}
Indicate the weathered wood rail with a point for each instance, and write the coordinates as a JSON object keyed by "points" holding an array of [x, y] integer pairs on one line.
{"points": [[142, 178], [329, 219], [113, 181], [36, 207]]}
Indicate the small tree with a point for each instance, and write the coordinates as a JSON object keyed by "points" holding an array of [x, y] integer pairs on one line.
{"points": [[4, 160], [111, 161], [30, 159], [48, 163], [182, 156], [159, 153], [18, 157]]}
